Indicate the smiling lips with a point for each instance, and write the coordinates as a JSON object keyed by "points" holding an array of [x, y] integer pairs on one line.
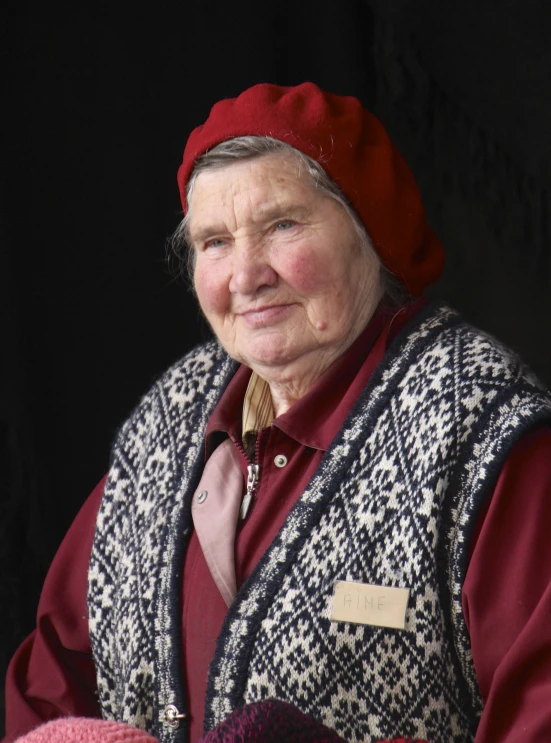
{"points": [[262, 316]]}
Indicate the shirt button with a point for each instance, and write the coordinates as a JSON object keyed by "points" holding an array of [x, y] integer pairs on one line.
{"points": [[202, 497], [280, 460]]}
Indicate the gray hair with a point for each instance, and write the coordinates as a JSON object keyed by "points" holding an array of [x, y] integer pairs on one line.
{"points": [[248, 148]]}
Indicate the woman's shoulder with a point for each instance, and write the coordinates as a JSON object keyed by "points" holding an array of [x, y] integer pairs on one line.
{"points": [[199, 366], [191, 383], [441, 331]]}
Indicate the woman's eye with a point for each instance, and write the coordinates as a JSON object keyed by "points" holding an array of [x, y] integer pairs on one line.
{"points": [[285, 224], [216, 242]]}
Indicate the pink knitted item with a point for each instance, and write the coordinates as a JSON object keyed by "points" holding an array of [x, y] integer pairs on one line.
{"points": [[271, 721], [86, 730]]}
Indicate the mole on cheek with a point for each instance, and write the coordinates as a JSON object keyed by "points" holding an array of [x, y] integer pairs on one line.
{"points": [[321, 325]]}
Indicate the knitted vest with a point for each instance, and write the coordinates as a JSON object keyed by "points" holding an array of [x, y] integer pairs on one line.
{"points": [[392, 503]]}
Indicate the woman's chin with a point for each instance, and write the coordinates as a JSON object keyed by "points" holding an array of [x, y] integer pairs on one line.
{"points": [[265, 355]]}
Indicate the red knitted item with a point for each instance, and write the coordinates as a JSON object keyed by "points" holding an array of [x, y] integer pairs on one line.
{"points": [[354, 149], [274, 721]]}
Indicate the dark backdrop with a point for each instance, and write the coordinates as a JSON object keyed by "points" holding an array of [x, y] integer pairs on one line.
{"points": [[97, 108]]}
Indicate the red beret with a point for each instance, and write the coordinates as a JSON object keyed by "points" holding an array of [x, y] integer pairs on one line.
{"points": [[353, 148]]}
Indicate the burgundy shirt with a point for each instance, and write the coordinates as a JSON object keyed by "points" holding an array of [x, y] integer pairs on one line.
{"points": [[506, 596]]}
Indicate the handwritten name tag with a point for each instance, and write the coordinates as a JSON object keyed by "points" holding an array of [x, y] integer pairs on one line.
{"points": [[361, 603]]}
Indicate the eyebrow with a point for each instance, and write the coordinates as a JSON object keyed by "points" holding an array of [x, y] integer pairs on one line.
{"points": [[280, 211]]}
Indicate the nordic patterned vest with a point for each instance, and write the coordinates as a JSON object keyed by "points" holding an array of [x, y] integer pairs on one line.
{"points": [[393, 503]]}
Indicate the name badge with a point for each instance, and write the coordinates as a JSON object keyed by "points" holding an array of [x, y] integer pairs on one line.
{"points": [[362, 603]]}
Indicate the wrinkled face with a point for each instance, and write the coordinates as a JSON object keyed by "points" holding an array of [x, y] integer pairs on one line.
{"points": [[279, 273]]}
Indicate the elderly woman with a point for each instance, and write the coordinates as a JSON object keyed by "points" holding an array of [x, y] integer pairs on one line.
{"points": [[341, 502]]}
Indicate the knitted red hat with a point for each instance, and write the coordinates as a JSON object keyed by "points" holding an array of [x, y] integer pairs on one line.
{"points": [[354, 149]]}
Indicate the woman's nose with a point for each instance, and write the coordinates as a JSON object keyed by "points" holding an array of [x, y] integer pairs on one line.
{"points": [[251, 271]]}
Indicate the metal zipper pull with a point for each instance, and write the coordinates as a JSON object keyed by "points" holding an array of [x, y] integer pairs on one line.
{"points": [[252, 480]]}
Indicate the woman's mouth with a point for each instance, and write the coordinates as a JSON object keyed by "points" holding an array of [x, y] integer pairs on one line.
{"points": [[263, 316]]}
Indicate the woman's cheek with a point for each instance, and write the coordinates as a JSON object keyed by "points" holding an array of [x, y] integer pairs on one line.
{"points": [[210, 289], [303, 273]]}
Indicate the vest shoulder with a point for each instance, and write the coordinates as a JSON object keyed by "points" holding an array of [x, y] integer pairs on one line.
{"points": [[442, 331], [186, 382], [202, 361]]}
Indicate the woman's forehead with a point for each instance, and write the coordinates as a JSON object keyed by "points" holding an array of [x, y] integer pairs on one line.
{"points": [[260, 183]]}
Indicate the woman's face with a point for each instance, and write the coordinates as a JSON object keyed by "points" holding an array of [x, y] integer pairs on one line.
{"points": [[279, 273]]}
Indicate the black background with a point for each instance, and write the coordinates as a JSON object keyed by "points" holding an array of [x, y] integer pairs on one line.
{"points": [[97, 105]]}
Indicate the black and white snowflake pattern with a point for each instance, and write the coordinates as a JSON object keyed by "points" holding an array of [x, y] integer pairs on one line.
{"points": [[392, 503]]}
